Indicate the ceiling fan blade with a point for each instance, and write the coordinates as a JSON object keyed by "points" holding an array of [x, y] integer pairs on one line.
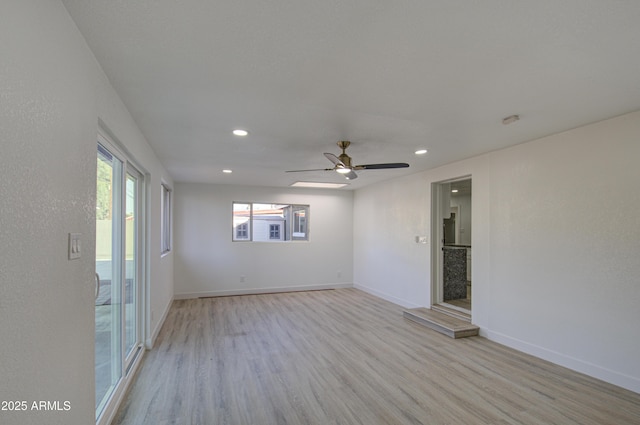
{"points": [[315, 169], [381, 166], [336, 161]]}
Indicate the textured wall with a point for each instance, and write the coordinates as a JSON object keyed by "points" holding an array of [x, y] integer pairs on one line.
{"points": [[565, 244], [47, 183], [556, 243], [387, 260], [209, 263], [53, 93]]}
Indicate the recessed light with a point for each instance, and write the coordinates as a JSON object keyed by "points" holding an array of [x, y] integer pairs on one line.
{"points": [[319, 185], [454, 191], [227, 171], [420, 151], [239, 132]]}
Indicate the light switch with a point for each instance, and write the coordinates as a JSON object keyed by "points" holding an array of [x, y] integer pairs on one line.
{"points": [[74, 246]]}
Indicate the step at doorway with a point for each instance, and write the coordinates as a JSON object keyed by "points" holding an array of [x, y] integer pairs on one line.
{"points": [[444, 323]]}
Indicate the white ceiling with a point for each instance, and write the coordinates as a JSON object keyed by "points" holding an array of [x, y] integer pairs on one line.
{"points": [[390, 76]]}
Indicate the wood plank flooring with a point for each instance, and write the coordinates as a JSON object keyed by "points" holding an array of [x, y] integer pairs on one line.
{"points": [[346, 357]]}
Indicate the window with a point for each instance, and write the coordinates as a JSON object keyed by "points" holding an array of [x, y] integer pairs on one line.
{"points": [[260, 222], [242, 231], [165, 217], [299, 223], [274, 231], [241, 221]]}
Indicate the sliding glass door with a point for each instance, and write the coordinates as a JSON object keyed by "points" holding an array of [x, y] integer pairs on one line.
{"points": [[108, 304], [118, 302], [132, 243]]}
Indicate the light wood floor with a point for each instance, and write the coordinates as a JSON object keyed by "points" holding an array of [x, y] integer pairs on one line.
{"points": [[346, 357]]}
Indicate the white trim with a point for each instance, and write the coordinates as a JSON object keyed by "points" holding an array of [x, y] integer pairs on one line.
{"points": [[147, 257], [257, 291], [625, 381], [435, 214], [385, 296]]}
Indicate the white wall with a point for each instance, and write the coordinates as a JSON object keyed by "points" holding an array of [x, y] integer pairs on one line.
{"points": [[115, 119], [52, 94], [387, 260], [556, 244], [208, 263]]}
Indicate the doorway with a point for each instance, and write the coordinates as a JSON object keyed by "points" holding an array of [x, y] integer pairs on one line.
{"points": [[119, 271], [451, 244]]}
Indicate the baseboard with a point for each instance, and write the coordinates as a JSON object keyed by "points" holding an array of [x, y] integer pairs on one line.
{"points": [[254, 291], [152, 338], [611, 376], [384, 296]]}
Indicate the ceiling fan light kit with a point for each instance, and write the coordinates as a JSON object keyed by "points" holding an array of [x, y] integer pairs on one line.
{"points": [[342, 163]]}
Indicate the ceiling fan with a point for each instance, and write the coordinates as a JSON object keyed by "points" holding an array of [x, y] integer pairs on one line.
{"points": [[342, 164]]}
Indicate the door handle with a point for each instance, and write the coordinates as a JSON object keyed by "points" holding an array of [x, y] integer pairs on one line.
{"points": [[97, 285]]}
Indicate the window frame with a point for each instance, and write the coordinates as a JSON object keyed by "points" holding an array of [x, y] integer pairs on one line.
{"points": [[244, 210], [165, 219], [299, 222]]}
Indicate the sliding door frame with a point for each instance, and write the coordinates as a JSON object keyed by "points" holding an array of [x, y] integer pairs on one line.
{"points": [[130, 361]]}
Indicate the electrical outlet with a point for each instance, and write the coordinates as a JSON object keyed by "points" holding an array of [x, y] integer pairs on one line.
{"points": [[242, 279]]}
